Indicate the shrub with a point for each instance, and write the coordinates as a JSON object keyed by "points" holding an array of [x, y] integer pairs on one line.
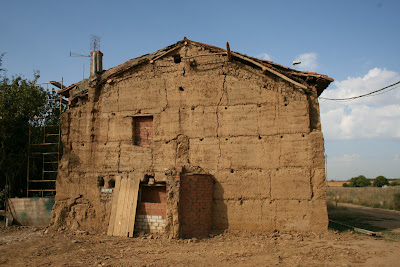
{"points": [[394, 183], [359, 181], [345, 185], [380, 181]]}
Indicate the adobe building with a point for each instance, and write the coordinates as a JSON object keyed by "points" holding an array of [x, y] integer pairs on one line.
{"points": [[192, 138]]}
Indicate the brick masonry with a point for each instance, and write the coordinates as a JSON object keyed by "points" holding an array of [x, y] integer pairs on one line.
{"points": [[151, 210], [149, 223], [196, 194], [144, 131]]}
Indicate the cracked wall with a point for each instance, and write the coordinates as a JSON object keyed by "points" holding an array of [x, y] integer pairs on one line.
{"points": [[257, 135]]}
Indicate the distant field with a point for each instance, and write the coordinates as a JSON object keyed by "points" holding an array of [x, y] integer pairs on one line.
{"points": [[375, 197]]}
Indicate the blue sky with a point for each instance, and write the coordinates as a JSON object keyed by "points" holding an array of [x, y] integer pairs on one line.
{"points": [[354, 42]]}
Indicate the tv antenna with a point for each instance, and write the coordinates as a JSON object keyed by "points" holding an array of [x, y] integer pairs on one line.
{"points": [[94, 45], [95, 42]]}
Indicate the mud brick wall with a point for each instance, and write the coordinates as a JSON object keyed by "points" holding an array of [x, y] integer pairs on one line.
{"points": [[195, 210], [256, 134]]}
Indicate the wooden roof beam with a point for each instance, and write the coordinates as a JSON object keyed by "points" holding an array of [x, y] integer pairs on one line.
{"points": [[265, 68]]}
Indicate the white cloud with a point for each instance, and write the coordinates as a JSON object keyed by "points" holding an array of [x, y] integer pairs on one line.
{"points": [[264, 56], [346, 158], [308, 61], [364, 118]]}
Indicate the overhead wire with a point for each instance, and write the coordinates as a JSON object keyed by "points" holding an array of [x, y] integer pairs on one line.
{"points": [[373, 93]]}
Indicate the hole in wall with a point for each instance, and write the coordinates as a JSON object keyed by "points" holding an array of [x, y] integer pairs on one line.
{"points": [[259, 137], [226, 107], [232, 171], [111, 183], [100, 181], [259, 105], [226, 139], [147, 178], [192, 107], [201, 139], [181, 89], [281, 136], [285, 105], [302, 135], [177, 58], [241, 202]]}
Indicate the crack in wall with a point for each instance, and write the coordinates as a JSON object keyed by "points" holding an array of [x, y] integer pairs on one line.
{"points": [[166, 95], [119, 156], [217, 114], [108, 128]]}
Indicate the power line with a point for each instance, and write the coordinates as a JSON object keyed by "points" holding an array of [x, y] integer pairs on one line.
{"points": [[364, 95]]}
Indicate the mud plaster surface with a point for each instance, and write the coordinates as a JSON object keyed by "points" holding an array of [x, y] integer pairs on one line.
{"points": [[258, 136]]}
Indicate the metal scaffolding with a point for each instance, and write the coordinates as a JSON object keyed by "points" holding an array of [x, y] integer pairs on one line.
{"points": [[44, 149]]}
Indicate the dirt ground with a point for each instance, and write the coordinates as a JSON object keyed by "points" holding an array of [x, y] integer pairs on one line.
{"points": [[29, 246]]}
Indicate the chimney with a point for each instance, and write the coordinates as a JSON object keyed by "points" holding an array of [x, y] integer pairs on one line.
{"points": [[96, 62]]}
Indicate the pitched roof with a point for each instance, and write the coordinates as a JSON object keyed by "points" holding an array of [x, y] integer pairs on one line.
{"points": [[298, 78]]}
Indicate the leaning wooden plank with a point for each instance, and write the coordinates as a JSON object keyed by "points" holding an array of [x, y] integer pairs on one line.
{"points": [[125, 209], [128, 204], [364, 231], [120, 206], [114, 206], [133, 206]]}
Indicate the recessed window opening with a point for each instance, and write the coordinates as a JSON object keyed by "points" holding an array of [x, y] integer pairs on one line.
{"points": [[152, 194], [111, 183], [142, 131], [100, 181]]}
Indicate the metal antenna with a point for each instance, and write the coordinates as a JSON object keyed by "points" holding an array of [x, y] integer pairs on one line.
{"points": [[73, 54], [95, 42]]}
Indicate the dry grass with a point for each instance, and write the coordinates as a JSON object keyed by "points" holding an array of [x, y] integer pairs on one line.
{"points": [[375, 197]]}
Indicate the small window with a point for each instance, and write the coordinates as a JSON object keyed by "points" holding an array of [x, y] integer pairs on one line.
{"points": [[100, 181], [177, 58], [111, 183]]}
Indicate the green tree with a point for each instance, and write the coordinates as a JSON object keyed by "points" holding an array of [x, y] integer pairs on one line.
{"points": [[20, 99], [359, 181], [1, 63], [381, 181]]}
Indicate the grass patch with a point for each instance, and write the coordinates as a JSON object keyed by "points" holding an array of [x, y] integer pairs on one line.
{"points": [[374, 197]]}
